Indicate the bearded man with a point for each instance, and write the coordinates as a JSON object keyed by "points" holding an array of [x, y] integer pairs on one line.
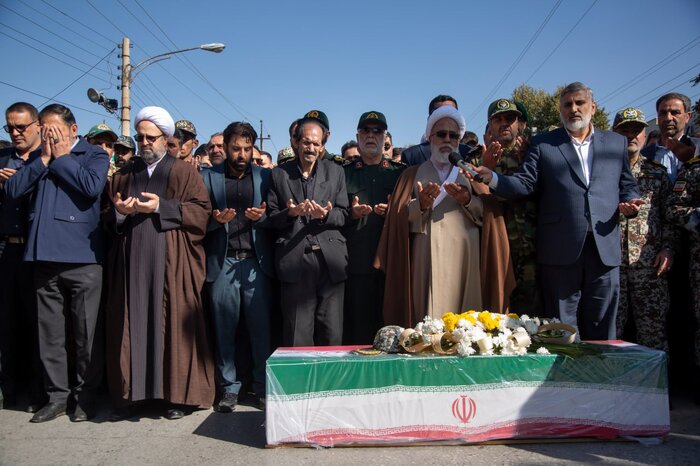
{"points": [[430, 246], [584, 181], [157, 345]]}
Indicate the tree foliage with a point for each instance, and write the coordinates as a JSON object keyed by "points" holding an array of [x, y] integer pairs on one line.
{"points": [[543, 108]]}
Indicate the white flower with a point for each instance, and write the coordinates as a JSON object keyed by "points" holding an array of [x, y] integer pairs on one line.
{"points": [[525, 317], [465, 349], [419, 327], [542, 350]]}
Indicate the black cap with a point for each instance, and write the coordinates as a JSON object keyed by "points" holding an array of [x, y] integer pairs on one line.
{"points": [[372, 117], [319, 116]]}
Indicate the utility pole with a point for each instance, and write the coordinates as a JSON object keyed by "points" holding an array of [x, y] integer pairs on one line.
{"points": [[262, 138], [126, 87]]}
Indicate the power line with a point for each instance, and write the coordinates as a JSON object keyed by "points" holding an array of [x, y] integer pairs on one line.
{"points": [[561, 41], [45, 97], [182, 59], [111, 41], [47, 45], [163, 68], [51, 56], [53, 20], [649, 71], [77, 79], [50, 32], [517, 60], [657, 87]]}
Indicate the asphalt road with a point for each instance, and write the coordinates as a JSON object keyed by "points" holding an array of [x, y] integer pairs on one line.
{"points": [[239, 438]]}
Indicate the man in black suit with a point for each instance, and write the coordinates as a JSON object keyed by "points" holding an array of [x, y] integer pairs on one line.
{"points": [[308, 205], [18, 328], [415, 155]]}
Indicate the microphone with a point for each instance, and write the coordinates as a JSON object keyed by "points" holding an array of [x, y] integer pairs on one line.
{"points": [[456, 160]]}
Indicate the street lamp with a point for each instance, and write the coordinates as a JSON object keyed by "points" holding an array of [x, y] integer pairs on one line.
{"points": [[130, 72]]}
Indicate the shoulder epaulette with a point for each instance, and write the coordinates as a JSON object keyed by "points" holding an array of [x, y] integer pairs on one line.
{"points": [[340, 160]]}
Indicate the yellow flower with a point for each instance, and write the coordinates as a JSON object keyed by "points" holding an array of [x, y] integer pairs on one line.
{"points": [[450, 320], [513, 315]]}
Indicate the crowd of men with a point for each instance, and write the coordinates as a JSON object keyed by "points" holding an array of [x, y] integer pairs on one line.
{"points": [[174, 271]]}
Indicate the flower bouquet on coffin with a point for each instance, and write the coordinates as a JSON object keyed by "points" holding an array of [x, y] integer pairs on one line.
{"points": [[487, 333]]}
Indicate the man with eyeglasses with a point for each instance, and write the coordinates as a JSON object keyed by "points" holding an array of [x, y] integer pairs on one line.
{"points": [[370, 179], [388, 151], [157, 345], [432, 235], [65, 243], [18, 327], [415, 155], [506, 128]]}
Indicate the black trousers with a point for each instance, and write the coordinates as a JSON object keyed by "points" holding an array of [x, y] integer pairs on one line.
{"points": [[19, 345], [68, 305], [364, 299], [312, 308]]}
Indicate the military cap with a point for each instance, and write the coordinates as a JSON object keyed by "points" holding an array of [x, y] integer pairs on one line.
{"points": [[319, 116], [501, 106], [629, 115], [387, 339], [186, 125], [100, 129], [284, 155], [525, 116], [125, 141], [372, 117]]}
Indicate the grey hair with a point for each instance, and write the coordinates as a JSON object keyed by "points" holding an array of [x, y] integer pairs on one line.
{"points": [[576, 87], [215, 135]]}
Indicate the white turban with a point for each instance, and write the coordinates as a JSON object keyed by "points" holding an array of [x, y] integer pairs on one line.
{"points": [[445, 111], [159, 117]]}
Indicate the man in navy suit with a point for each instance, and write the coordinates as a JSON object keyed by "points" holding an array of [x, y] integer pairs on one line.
{"points": [[239, 261], [308, 206], [415, 155], [584, 181], [65, 243]]}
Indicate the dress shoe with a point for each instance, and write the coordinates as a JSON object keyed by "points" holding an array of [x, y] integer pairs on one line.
{"points": [[122, 413], [227, 403], [260, 402], [33, 407], [49, 412], [82, 414], [174, 413]]}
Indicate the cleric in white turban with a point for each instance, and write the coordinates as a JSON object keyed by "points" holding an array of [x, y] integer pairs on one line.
{"points": [[159, 117], [157, 346], [432, 235]]}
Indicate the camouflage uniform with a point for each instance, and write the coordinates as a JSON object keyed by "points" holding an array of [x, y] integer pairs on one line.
{"points": [[683, 210], [643, 295], [521, 218]]}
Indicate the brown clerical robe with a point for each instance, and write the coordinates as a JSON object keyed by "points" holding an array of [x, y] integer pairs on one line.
{"points": [[157, 345], [394, 255]]}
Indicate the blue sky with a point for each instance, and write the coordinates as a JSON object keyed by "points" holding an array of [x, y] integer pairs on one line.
{"points": [[284, 58]]}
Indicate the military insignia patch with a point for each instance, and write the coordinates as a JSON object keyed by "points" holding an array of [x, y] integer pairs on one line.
{"points": [[312, 114], [503, 103], [631, 113], [373, 116], [104, 127], [358, 164], [679, 186], [385, 164]]}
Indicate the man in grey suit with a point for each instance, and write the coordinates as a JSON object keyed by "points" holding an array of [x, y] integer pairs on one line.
{"points": [[584, 181], [308, 205]]}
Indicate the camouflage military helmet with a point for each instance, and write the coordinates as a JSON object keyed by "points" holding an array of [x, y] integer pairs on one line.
{"points": [[629, 115], [387, 339]]}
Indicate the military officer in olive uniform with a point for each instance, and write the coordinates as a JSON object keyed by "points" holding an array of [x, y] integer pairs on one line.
{"points": [[370, 179], [648, 241], [683, 211], [506, 123]]}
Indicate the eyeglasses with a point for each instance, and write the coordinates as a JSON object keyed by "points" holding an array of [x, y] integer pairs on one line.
{"points": [[151, 139], [20, 128], [374, 130], [442, 134], [387, 146]]}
